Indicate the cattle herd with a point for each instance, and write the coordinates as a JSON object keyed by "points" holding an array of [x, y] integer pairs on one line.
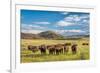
{"points": [[55, 49]]}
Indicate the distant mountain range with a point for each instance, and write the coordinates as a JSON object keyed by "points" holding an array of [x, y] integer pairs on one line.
{"points": [[49, 35], [29, 36]]}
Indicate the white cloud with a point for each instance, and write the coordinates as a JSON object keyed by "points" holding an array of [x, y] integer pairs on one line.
{"points": [[78, 31], [69, 20], [57, 31], [45, 23], [32, 31], [64, 23], [72, 31], [30, 26], [76, 18], [85, 21], [36, 26], [64, 13], [84, 16], [72, 18]]}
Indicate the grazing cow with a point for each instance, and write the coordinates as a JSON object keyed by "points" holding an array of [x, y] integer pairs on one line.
{"points": [[42, 49], [66, 48], [59, 49], [32, 48], [85, 43], [67, 44], [74, 48], [51, 49]]}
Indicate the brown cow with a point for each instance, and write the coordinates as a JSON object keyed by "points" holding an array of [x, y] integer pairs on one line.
{"points": [[74, 48], [85, 43], [51, 49], [59, 49], [42, 49], [33, 48], [66, 48], [67, 44]]}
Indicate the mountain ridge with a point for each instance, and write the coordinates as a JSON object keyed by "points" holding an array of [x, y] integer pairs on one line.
{"points": [[48, 35]]}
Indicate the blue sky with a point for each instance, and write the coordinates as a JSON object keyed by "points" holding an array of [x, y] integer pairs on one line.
{"points": [[65, 23]]}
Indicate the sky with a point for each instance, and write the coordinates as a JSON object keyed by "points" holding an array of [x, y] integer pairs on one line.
{"points": [[65, 23]]}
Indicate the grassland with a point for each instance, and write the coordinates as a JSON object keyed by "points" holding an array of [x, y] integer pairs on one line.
{"points": [[28, 56]]}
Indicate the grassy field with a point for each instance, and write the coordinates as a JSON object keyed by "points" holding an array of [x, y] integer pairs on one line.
{"points": [[28, 56]]}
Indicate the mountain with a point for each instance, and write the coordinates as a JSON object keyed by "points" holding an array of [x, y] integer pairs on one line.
{"points": [[42, 35], [50, 35], [77, 36], [29, 36]]}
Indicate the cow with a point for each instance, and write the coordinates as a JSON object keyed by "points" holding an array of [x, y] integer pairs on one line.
{"points": [[66, 48], [74, 48], [42, 49], [67, 44], [55, 49], [32, 48], [51, 49], [85, 43], [59, 49]]}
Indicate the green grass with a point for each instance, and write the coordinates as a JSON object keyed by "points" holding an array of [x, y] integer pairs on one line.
{"points": [[28, 56]]}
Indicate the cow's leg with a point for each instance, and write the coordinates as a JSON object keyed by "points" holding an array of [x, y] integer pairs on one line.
{"points": [[50, 51], [57, 52], [62, 51], [74, 50]]}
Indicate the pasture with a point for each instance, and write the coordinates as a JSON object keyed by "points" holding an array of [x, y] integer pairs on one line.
{"points": [[28, 56]]}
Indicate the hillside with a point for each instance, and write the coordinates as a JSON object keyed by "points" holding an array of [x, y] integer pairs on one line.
{"points": [[42, 35], [29, 36], [50, 35]]}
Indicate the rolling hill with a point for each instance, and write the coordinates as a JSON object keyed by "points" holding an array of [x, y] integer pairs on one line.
{"points": [[50, 35], [29, 36], [42, 35]]}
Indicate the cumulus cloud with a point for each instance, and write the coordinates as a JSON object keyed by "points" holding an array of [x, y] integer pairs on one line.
{"points": [[45, 23], [36, 26], [64, 23], [64, 13], [84, 16], [31, 26], [74, 20], [32, 31], [69, 20], [72, 30]]}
